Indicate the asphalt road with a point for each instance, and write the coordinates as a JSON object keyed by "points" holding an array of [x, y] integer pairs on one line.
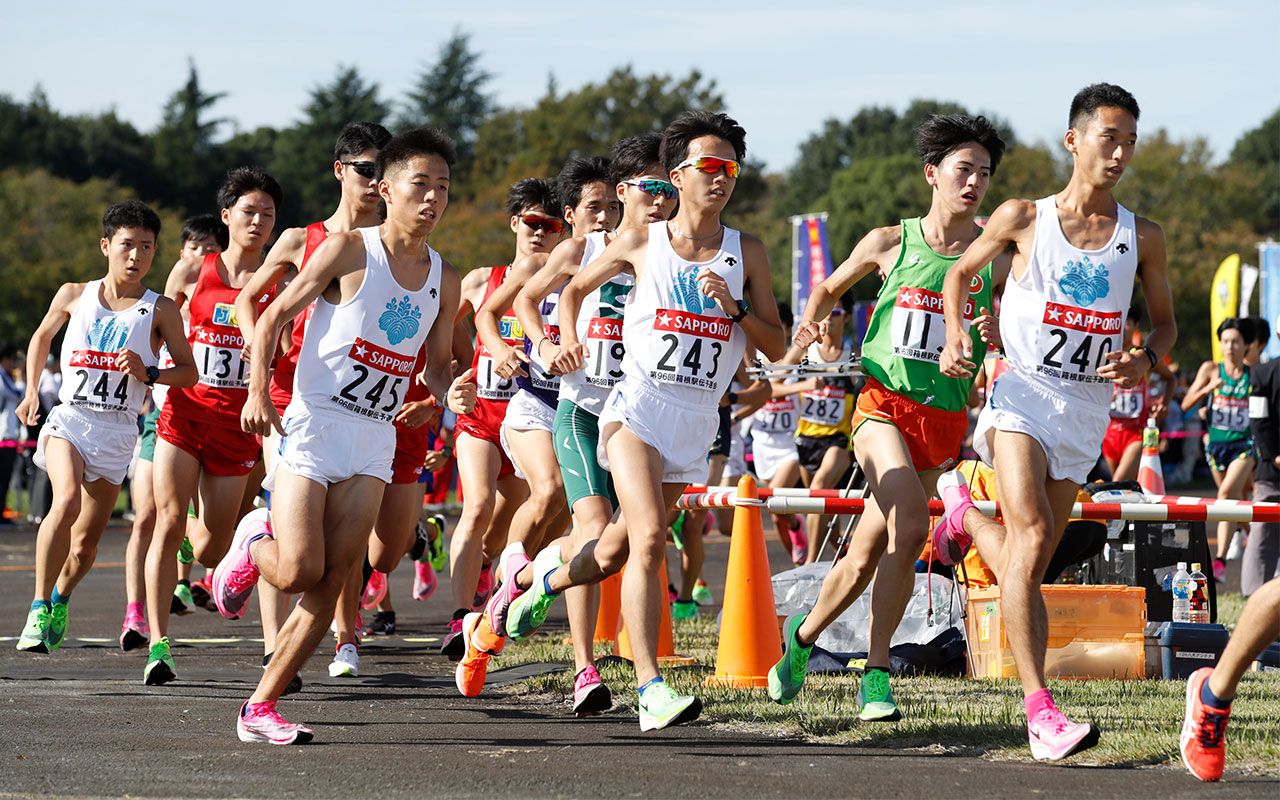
{"points": [[80, 723]]}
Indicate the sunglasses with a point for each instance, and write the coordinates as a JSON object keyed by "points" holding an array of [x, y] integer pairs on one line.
{"points": [[653, 186], [711, 165], [546, 224], [365, 169]]}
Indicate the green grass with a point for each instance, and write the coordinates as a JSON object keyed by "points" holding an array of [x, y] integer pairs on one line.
{"points": [[1140, 720]]}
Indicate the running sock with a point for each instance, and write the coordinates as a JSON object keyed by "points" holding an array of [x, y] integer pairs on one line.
{"points": [[38, 604], [59, 597], [800, 642], [181, 582], [546, 584], [1212, 700], [1037, 702], [647, 684], [131, 609]]}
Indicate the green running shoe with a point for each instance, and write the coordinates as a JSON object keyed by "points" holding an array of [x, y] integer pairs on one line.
{"points": [[684, 609], [702, 593], [677, 529], [435, 547], [875, 701], [186, 553], [57, 627], [660, 706], [182, 601], [528, 611], [35, 632], [787, 676], [160, 669]]}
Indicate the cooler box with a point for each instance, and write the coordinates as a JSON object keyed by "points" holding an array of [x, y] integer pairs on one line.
{"points": [[1187, 646], [1094, 632], [1269, 659]]}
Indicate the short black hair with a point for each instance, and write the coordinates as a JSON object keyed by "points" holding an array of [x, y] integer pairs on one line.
{"points": [[942, 134], [785, 315], [530, 193], [578, 173], [695, 124], [1100, 95], [202, 226], [357, 137], [242, 180], [1244, 325], [129, 214], [634, 156], [1261, 330], [424, 141]]}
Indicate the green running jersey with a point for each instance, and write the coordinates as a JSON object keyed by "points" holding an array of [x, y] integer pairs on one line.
{"points": [[906, 333], [1229, 409]]}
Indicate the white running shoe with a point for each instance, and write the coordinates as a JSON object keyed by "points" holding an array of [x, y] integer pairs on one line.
{"points": [[346, 662]]}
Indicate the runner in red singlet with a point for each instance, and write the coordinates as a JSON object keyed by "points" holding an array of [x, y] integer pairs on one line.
{"points": [[1130, 409]]}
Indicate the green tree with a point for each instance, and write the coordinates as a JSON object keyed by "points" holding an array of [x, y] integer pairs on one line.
{"points": [[1258, 151], [450, 94], [185, 150]]}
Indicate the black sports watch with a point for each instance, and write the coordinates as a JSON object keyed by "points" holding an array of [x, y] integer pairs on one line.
{"points": [[153, 374], [744, 308]]}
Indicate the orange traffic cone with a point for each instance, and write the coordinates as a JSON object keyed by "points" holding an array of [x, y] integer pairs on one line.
{"points": [[610, 615], [1150, 471], [749, 640], [667, 655]]}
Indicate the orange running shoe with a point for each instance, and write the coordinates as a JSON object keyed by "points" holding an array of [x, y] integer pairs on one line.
{"points": [[1203, 743], [482, 644]]}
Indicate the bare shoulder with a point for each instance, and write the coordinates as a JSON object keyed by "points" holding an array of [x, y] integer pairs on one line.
{"points": [[186, 270], [882, 241], [571, 249], [752, 247], [290, 246], [1016, 212], [528, 265], [67, 296], [636, 237], [448, 272], [1148, 229], [475, 278], [166, 305]]}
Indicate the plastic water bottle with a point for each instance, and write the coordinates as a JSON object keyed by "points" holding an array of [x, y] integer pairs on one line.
{"points": [[1151, 435], [1199, 600], [1181, 587]]}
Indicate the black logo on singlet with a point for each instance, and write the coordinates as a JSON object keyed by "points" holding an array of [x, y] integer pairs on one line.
{"points": [[142, 312], [1123, 248], [730, 260], [433, 294]]}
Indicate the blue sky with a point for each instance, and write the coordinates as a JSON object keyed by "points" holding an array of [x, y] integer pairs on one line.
{"points": [[1197, 68]]}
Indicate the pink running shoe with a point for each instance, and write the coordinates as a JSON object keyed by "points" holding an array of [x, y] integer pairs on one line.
{"points": [[512, 560], [484, 587], [236, 574], [799, 545], [590, 695], [950, 542], [424, 580], [135, 632], [264, 724], [1054, 737], [374, 590]]}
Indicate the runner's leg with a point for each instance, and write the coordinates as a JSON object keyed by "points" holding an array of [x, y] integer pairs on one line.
{"points": [[53, 540], [835, 463], [97, 501], [176, 475], [534, 453]]}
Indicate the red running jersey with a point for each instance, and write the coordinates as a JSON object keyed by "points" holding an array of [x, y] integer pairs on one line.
{"points": [[287, 364], [493, 392]]}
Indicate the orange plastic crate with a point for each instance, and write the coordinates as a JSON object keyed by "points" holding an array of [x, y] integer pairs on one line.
{"points": [[1094, 632]]}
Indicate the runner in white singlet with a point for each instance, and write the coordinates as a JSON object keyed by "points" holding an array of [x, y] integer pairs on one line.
{"points": [[1075, 257]]}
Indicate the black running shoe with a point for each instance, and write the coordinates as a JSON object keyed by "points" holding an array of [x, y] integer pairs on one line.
{"points": [[384, 623]]}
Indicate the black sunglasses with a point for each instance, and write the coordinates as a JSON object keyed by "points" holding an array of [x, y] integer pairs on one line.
{"points": [[365, 169]]}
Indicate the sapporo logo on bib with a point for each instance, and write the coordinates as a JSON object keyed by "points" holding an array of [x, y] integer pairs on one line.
{"points": [[490, 385], [101, 386], [217, 347], [373, 380], [918, 328], [605, 351], [691, 342]]}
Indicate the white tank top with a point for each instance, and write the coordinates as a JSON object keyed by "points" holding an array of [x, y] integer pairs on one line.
{"points": [[164, 360], [600, 331], [357, 358], [678, 341], [95, 336], [1068, 310]]}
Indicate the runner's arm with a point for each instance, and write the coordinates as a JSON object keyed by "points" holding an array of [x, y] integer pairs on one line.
{"points": [[169, 325], [182, 280], [472, 293], [1201, 386], [1003, 230], [459, 393], [762, 325], [618, 256], [561, 264], [60, 308], [283, 258], [866, 256], [508, 361]]}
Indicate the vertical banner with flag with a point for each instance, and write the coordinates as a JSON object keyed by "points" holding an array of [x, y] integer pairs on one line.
{"points": [[810, 258], [1224, 298], [1269, 265]]}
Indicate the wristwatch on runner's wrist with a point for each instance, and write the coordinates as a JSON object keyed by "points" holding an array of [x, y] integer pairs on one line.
{"points": [[153, 373], [743, 308]]}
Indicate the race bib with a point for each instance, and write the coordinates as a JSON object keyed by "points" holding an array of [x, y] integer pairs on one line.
{"points": [[688, 349], [490, 385], [918, 328], [217, 353], [1229, 413], [99, 386], [1073, 342], [1127, 403], [777, 417], [604, 352], [373, 380], [825, 407]]}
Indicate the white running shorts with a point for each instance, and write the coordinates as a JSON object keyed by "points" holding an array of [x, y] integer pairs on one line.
{"points": [[329, 448], [525, 412], [682, 434], [106, 448], [771, 451], [1069, 432]]}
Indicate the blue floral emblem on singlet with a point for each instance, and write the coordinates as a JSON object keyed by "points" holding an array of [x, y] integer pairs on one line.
{"points": [[108, 335], [688, 295], [400, 320], [1085, 281]]}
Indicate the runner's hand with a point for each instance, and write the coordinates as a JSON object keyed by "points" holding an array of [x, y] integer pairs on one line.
{"points": [[130, 362], [246, 350], [417, 413], [570, 357], [435, 460], [717, 288], [259, 415], [462, 394], [954, 360], [1125, 369], [29, 409], [989, 329], [809, 332], [510, 363]]}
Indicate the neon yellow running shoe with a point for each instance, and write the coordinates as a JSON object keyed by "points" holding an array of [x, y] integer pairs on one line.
{"points": [[36, 631], [57, 627]]}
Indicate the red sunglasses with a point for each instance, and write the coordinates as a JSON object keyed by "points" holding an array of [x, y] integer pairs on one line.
{"points": [[539, 223]]}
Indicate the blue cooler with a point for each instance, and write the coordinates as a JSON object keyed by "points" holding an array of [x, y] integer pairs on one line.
{"points": [[1269, 659], [1186, 647]]}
